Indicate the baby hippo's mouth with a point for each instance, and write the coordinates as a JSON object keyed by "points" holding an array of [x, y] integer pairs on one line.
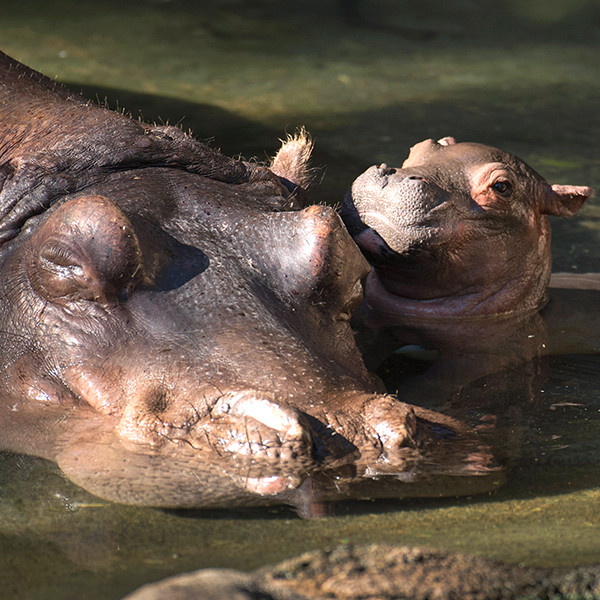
{"points": [[386, 235]]}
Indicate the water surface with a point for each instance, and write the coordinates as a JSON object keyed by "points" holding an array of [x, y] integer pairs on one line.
{"points": [[368, 79]]}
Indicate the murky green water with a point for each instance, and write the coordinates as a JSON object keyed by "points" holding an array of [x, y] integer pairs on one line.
{"points": [[523, 76]]}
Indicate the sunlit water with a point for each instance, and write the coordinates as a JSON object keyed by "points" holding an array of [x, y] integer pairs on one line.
{"points": [[367, 84]]}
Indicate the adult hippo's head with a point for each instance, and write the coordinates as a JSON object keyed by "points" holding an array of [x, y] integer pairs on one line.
{"points": [[460, 230], [175, 328]]}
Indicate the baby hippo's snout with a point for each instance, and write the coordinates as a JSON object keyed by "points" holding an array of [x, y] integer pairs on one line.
{"points": [[384, 199], [383, 184]]}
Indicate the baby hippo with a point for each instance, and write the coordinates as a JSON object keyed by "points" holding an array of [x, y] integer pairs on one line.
{"points": [[459, 242]]}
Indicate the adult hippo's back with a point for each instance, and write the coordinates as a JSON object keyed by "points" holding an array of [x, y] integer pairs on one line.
{"points": [[175, 330]]}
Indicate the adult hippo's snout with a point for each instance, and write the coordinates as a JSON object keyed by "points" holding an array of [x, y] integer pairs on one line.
{"points": [[243, 449]]}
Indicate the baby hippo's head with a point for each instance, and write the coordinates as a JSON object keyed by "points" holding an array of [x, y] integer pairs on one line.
{"points": [[461, 221]]}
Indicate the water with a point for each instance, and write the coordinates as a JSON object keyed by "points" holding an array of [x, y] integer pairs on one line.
{"points": [[368, 79]]}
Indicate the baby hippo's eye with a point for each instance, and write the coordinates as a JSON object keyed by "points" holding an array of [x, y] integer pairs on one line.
{"points": [[502, 187]]}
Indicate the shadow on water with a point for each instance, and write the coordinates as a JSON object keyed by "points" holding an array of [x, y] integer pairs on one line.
{"points": [[386, 134], [231, 133]]}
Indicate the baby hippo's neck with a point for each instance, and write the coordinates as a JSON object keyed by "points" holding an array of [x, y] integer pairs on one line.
{"points": [[523, 295]]}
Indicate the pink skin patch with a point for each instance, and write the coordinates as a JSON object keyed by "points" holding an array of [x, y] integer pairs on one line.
{"points": [[370, 215], [484, 179], [270, 486], [369, 240]]}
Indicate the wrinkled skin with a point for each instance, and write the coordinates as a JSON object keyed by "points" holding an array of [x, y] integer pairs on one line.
{"points": [[459, 241], [175, 330]]}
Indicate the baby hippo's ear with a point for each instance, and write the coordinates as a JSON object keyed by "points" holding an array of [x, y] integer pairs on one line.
{"points": [[565, 200]]}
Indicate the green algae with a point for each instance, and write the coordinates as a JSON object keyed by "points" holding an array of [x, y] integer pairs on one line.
{"points": [[521, 76]]}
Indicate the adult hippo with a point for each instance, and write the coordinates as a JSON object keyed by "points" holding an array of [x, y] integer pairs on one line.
{"points": [[459, 240], [175, 329]]}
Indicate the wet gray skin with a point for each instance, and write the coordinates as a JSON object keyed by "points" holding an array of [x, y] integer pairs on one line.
{"points": [[175, 330], [459, 239]]}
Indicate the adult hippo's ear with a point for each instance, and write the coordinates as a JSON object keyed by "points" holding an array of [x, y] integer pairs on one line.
{"points": [[565, 200], [85, 250], [292, 165]]}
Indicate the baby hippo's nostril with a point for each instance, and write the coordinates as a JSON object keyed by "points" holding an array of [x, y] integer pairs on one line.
{"points": [[416, 178], [383, 169]]}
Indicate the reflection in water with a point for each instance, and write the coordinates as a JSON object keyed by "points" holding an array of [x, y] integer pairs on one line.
{"points": [[541, 414], [546, 433], [449, 460]]}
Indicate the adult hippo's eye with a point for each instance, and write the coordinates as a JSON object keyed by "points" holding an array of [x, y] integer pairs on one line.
{"points": [[503, 188]]}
